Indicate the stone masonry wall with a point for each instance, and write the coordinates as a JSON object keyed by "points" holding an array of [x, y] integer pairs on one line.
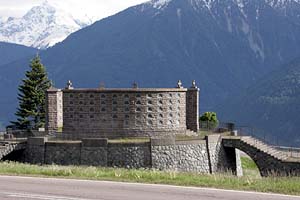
{"points": [[192, 109], [185, 157], [54, 110], [35, 150], [63, 153], [223, 159], [267, 164], [91, 152], [94, 152], [121, 113], [129, 155], [202, 156]]}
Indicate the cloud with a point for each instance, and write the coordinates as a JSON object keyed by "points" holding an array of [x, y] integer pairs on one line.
{"points": [[92, 8]]}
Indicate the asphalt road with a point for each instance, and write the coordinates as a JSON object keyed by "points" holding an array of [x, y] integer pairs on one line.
{"points": [[63, 189]]}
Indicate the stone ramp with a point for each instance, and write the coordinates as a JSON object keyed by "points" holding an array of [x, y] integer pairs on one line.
{"points": [[269, 159], [7, 147]]}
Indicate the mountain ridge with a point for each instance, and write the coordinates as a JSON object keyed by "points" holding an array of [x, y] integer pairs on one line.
{"points": [[41, 27], [225, 49], [12, 52]]}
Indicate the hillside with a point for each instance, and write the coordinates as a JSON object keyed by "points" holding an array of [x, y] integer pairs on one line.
{"points": [[226, 46], [272, 105], [11, 52]]}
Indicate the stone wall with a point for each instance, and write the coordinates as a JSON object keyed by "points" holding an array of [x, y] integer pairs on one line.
{"points": [[35, 151], [119, 113], [222, 159], [192, 109], [267, 164], [129, 155], [94, 152], [202, 156], [91, 152], [54, 110], [187, 156], [63, 153]]}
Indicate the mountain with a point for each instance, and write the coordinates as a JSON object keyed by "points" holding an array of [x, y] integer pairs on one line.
{"points": [[2, 20], [271, 105], [12, 52], [41, 27], [225, 45]]}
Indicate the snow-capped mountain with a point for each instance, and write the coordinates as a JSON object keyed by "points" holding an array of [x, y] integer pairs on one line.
{"points": [[2, 20], [225, 45], [41, 27]]}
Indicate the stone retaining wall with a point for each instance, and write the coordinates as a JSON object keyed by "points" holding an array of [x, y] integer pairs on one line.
{"points": [[64, 153], [129, 155], [201, 156], [187, 156]]}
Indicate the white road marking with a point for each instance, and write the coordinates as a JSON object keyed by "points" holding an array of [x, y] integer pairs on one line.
{"points": [[39, 196]]}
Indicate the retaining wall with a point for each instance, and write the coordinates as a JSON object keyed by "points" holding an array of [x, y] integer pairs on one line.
{"points": [[201, 156]]}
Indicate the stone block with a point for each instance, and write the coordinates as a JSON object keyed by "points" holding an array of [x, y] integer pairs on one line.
{"points": [[38, 141], [163, 141], [94, 142], [66, 144]]}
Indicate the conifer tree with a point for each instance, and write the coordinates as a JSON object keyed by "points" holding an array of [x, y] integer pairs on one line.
{"points": [[31, 111]]}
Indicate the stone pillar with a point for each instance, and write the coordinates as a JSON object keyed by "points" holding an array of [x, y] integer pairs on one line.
{"points": [[54, 110], [192, 108], [238, 163]]}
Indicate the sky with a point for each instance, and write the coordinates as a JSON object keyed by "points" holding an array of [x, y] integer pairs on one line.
{"points": [[95, 9]]}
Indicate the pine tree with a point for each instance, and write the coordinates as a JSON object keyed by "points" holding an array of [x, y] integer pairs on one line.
{"points": [[31, 111]]}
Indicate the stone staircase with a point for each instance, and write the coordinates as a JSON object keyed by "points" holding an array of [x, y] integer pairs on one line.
{"points": [[269, 160], [7, 147], [261, 146]]}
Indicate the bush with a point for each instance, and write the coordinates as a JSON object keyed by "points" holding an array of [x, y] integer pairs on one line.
{"points": [[209, 120]]}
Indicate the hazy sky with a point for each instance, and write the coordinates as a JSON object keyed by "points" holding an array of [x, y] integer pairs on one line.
{"points": [[93, 8]]}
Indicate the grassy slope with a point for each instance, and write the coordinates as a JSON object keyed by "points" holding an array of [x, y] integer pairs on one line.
{"points": [[289, 185]]}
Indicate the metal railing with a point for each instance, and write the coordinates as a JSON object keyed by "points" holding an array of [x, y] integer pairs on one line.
{"points": [[272, 142]]}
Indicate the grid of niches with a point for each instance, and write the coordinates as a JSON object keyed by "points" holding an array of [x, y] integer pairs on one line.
{"points": [[124, 110], [161, 110]]}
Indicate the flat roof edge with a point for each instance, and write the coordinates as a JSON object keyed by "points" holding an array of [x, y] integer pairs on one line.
{"points": [[126, 90]]}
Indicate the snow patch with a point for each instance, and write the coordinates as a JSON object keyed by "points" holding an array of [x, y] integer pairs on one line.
{"points": [[228, 20], [257, 14], [245, 27], [178, 12], [160, 4], [241, 6], [256, 47]]}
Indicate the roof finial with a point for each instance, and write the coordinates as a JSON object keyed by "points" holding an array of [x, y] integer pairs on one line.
{"points": [[51, 84], [194, 84], [134, 85], [102, 85], [179, 84], [69, 85]]}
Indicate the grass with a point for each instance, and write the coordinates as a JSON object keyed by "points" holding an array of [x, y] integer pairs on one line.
{"points": [[249, 167], [288, 185]]}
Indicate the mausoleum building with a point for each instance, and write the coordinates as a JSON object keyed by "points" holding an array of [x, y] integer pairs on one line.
{"points": [[122, 112]]}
